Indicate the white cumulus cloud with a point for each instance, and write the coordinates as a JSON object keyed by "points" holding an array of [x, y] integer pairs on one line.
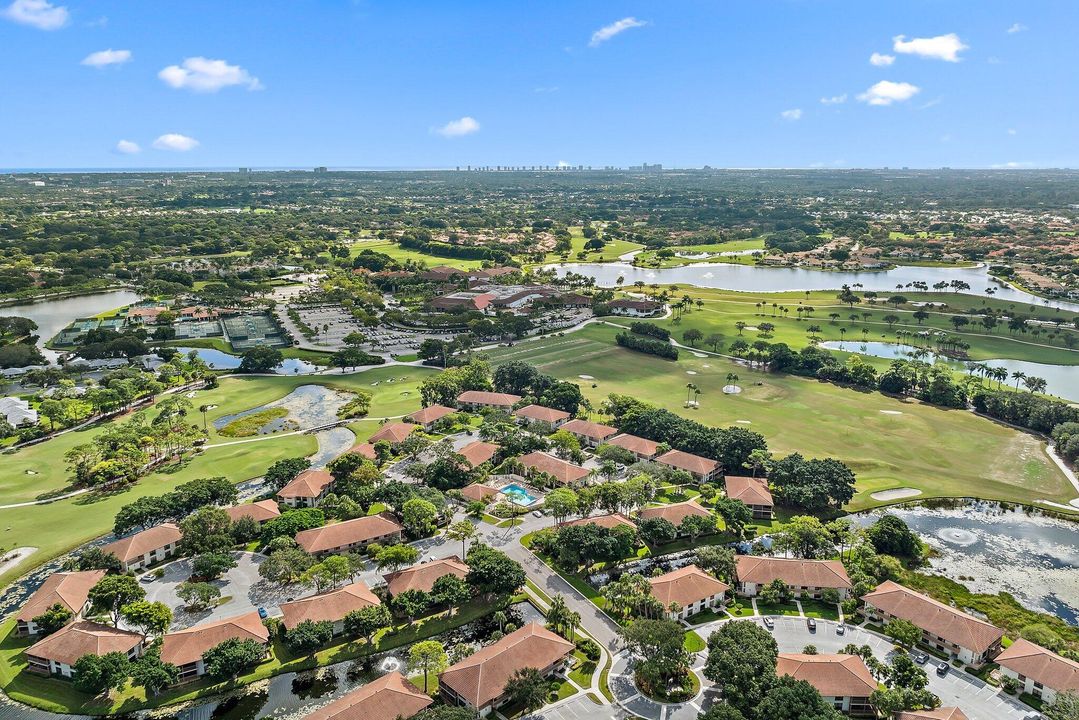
{"points": [[607, 32], [456, 128], [201, 74], [128, 147], [175, 142], [1012, 131], [37, 13], [104, 58], [792, 114], [942, 47], [881, 60], [1017, 28], [834, 99], [887, 92]]}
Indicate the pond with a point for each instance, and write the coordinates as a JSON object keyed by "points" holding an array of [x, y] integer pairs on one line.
{"points": [[308, 406], [1030, 555], [750, 278], [1062, 380], [218, 360], [53, 315]]}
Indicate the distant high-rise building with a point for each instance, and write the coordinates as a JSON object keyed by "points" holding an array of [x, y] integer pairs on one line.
{"points": [[320, 169], [244, 171]]}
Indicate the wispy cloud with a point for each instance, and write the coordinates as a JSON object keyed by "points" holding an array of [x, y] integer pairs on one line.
{"points": [[200, 74], [1013, 131], [607, 32], [931, 103], [545, 89], [1012, 164], [942, 47], [128, 147], [1017, 28], [834, 99], [887, 92], [175, 142], [457, 128], [881, 60], [37, 13], [792, 114], [104, 58]]}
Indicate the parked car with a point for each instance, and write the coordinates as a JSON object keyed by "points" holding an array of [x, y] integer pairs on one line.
{"points": [[147, 578], [841, 629], [942, 668], [921, 658], [811, 624], [537, 513], [262, 613], [768, 623]]}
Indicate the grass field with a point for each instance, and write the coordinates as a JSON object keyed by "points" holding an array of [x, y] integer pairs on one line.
{"points": [[888, 443], [610, 252], [648, 258], [723, 308], [401, 254]]}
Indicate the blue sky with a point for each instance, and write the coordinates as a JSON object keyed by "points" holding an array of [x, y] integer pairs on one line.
{"points": [[762, 83]]}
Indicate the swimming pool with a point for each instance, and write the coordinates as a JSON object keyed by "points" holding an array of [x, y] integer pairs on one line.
{"points": [[518, 495]]}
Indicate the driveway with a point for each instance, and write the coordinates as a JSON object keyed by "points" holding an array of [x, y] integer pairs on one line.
{"points": [[977, 699], [242, 584]]}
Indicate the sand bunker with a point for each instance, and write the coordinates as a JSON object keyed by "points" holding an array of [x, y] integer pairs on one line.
{"points": [[895, 494], [691, 372], [892, 412], [14, 557], [731, 389], [699, 354], [743, 422], [586, 377]]}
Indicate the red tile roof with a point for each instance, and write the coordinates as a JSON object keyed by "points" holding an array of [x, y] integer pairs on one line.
{"points": [[390, 697], [137, 545], [478, 492], [832, 675], [83, 637], [942, 620], [480, 397], [349, 532], [761, 570], [596, 431], [637, 445], [675, 513], [431, 413], [541, 413], [260, 511], [941, 713], [478, 452], [609, 521], [685, 586], [562, 471], [308, 484], [423, 576], [393, 432], [331, 606], [186, 646], [688, 462], [751, 491], [1041, 665], [70, 589], [365, 449]]}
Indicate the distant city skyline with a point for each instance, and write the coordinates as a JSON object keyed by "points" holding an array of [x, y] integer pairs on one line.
{"points": [[104, 84]]}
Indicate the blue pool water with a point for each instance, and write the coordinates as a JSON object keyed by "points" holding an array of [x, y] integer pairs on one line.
{"points": [[518, 495]]}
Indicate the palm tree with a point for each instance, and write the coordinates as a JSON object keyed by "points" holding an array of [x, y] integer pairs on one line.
{"points": [[732, 378], [1018, 375], [690, 387], [1035, 384]]}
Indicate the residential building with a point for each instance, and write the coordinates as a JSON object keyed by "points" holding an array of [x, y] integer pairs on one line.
{"points": [[185, 648], [423, 576], [564, 473], [642, 448], [476, 399], [462, 300], [365, 449], [70, 590], [57, 654], [478, 452], [306, 489], [329, 606], [589, 433], [843, 681], [143, 549], [428, 416], [688, 591], [701, 468], [479, 681], [394, 433], [390, 697], [753, 492], [478, 493], [812, 577], [350, 535], [941, 713], [17, 411], [675, 513], [1039, 672], [944, 628], [540, 413], [261, 512], [442, 273], [609, 521], [634, 308]]}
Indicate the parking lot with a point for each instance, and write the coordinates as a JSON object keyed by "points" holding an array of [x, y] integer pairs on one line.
{"points": [[977, 699]]}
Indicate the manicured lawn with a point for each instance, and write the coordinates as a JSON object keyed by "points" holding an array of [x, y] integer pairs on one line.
{"points": [[648, 258], [582, 672], [889, 443], [745, 611], [777, 609], [693, 642], [401, 254], [610, 252], [821, 610]]}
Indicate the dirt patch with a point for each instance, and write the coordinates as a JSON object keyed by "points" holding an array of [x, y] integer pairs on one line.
{"points": [[14, 557], [895, 494]]}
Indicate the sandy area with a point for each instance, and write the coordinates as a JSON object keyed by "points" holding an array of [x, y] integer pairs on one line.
{"points": [[731, 389], [14, 557], [892, 412], [895, 494]]}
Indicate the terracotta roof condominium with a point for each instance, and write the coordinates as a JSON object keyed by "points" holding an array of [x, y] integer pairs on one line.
{"points": [[935, 617], [393, 433], [187, 646], [609, 521], [592, 430], [331, 606], [431, 413], [309, 483], [561, 470], [349, 532], [831, 675], [480, 397], [685, 586], [366, 450], [148, 540], [541, 413], [941, 713], [637, 445], [70, 643], [423, 576], [481, 677], [751, 491], [688, 462], [1041, 665], [260, 511], [761, 570], [70, 589], [390, 697], [478, 452], [477, 492], [675, 513]]}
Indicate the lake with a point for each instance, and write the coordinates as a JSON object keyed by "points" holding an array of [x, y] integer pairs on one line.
{"points": [[53, 315], [1032, 556], [750, 278], [218, 360], [1062, 380]]}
